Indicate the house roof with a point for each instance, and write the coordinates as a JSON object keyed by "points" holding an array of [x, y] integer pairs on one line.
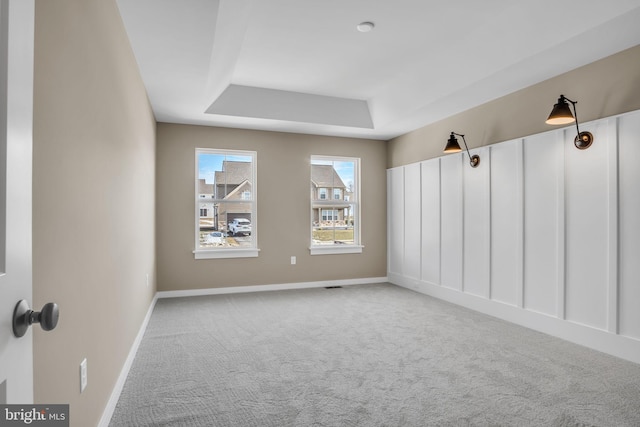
{"points": [[244, 186], [204, 188], [233, 173], [325, 176]]}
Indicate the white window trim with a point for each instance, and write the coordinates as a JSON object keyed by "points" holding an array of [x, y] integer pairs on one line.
{"points": [[339, 249], [228, 253], [225, 253], [335, 249]]}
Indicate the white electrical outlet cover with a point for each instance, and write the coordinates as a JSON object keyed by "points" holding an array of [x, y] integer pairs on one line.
{"points": [[83, 375]]}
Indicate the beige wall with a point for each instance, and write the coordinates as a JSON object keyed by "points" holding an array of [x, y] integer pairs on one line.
{"points": [[93, 201], [283, 209], [604, 88]]}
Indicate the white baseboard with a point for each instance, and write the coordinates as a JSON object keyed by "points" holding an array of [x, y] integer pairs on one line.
{"points": [[587, 336], [117, 389], [263, 288]]}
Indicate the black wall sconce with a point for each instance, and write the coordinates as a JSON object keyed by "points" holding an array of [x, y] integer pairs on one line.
{"points": [[454, 147], [561, 115]]}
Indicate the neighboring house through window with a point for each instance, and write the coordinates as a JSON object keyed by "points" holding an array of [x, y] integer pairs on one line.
{"points": [[205, 192], [226, 203], [335, 221]]}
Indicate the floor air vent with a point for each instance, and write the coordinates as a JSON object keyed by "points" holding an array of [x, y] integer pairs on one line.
{"points": [[333, 287]]}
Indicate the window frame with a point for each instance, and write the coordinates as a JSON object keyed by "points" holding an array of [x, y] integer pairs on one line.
{"points": [[333, 214], [214, 253], [330, 203]]}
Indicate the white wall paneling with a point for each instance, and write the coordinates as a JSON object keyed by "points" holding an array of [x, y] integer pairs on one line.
{"points": [[561, 223], [507, 255], [629, 225], [541, 234], [395, 241], [542, 178], [477, 225], [451, 224], [412, 221], [586, 227], [613, 230], [431, 221]]}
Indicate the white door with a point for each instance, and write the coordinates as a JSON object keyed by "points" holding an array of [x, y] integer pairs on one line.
{"points": [[16, 120]]}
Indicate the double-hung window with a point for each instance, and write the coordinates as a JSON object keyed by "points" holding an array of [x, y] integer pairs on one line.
{"points": [[225, 204], [335, 205]]}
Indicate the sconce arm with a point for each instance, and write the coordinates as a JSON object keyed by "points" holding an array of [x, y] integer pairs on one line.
{"points": [[575, 112], [465, 144], [474, 160]]}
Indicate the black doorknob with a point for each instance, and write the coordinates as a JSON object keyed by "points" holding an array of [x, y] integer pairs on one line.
{"points": [[23, 317]]}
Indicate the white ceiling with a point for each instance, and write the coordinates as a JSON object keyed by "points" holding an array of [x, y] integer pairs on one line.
{"points": [[302, 66]]}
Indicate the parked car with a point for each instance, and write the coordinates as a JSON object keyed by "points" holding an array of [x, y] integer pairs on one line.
{"points": [[239, 226], [215, 238]]}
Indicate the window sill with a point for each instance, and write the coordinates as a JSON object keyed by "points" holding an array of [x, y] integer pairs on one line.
{"points": [[226, 253], [336, 249]]}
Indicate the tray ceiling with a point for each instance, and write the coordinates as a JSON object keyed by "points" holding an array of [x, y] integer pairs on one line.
{"points": [[302, 65]]}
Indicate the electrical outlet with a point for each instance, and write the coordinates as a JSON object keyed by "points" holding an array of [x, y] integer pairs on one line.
{"points": [[293, 260], [147, 280], [83, 375]]}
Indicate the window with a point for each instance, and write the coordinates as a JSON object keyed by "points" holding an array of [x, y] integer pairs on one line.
{"points": [[225, 204], [329, 215], [335, 221]]}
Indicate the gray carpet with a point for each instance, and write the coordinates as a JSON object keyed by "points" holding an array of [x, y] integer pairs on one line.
{"points": [[371, 355]]}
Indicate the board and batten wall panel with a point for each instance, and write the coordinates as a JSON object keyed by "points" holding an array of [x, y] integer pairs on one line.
{"points": [[395, 179], [431, 221], [451, 245], [506, 223], [629, 223], [476, 225], [541, 174], [541, 233], [412, 234], [586, 225]]}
